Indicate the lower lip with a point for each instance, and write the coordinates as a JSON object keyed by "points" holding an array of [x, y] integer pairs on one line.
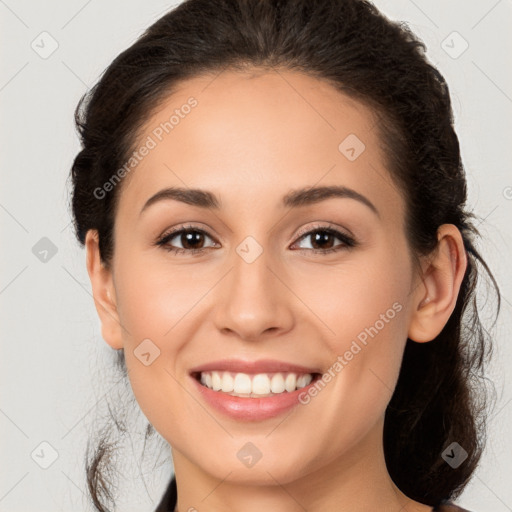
{"points": [[251, 409]]}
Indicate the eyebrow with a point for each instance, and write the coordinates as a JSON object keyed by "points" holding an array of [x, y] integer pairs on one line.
{"points": [[293, 199]]}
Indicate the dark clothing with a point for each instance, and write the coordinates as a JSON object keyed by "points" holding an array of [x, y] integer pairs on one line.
{"points": [[168, 502], [169, 499]]}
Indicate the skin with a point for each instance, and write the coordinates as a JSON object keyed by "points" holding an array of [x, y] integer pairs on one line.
{"points": [[250, 139]]}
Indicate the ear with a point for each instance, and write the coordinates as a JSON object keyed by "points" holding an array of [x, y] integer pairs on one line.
{"points": [[435, 300], [103, 292]]}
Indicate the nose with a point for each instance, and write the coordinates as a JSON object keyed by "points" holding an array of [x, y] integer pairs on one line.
{"points": [[254, 301]]}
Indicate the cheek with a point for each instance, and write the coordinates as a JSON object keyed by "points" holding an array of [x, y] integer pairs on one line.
{"points": [[368, 290], [153, 298], [367, 322], [158, 302], [149, 304]]}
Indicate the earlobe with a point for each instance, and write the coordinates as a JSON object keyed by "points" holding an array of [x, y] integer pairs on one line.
{"points": [[435, 301], [103, 292]]}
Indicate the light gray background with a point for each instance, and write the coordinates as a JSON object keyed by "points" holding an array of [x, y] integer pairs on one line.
{"points": [[51, 339]]}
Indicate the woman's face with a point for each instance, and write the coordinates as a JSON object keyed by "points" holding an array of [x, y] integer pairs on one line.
{"points": [[260, 289]]}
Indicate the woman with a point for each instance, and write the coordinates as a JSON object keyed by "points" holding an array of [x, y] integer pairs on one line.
{"points": [[272, 201]]}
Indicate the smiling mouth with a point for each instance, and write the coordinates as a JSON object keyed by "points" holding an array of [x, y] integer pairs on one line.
{"points": [[255, 385]]}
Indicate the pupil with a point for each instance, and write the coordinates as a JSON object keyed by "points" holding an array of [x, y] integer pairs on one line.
{"points": [[190, 237], [321, 237]]}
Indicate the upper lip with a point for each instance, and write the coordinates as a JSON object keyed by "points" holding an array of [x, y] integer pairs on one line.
{"points": [[259, 366]]}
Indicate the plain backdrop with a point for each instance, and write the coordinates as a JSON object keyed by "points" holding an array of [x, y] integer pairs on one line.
{"points": [[51, 338]]}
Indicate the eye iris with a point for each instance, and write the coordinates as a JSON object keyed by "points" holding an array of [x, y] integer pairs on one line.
{"points": [[321, 236], [189, 236]]}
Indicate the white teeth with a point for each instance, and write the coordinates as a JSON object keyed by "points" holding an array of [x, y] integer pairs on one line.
{"points": [[242, 383], [304, 380], [277, 383], [291, 382], [261, 384], [216, 381], [228, 383]]}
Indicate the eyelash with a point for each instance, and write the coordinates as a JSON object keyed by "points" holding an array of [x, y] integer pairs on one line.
{"points": [[348, 242]]}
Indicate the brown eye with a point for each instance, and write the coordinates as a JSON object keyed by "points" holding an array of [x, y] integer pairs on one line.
{"points": [[192, 240], [322, 239]]}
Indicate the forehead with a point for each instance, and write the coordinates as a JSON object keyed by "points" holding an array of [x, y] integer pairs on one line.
{"points": [[253, 136]]}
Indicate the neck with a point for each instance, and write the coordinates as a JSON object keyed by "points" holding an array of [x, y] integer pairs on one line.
{"points": [[357, 480]]}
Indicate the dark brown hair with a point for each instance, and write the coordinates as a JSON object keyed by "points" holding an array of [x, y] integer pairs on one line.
{"points": [[441, 395]]}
